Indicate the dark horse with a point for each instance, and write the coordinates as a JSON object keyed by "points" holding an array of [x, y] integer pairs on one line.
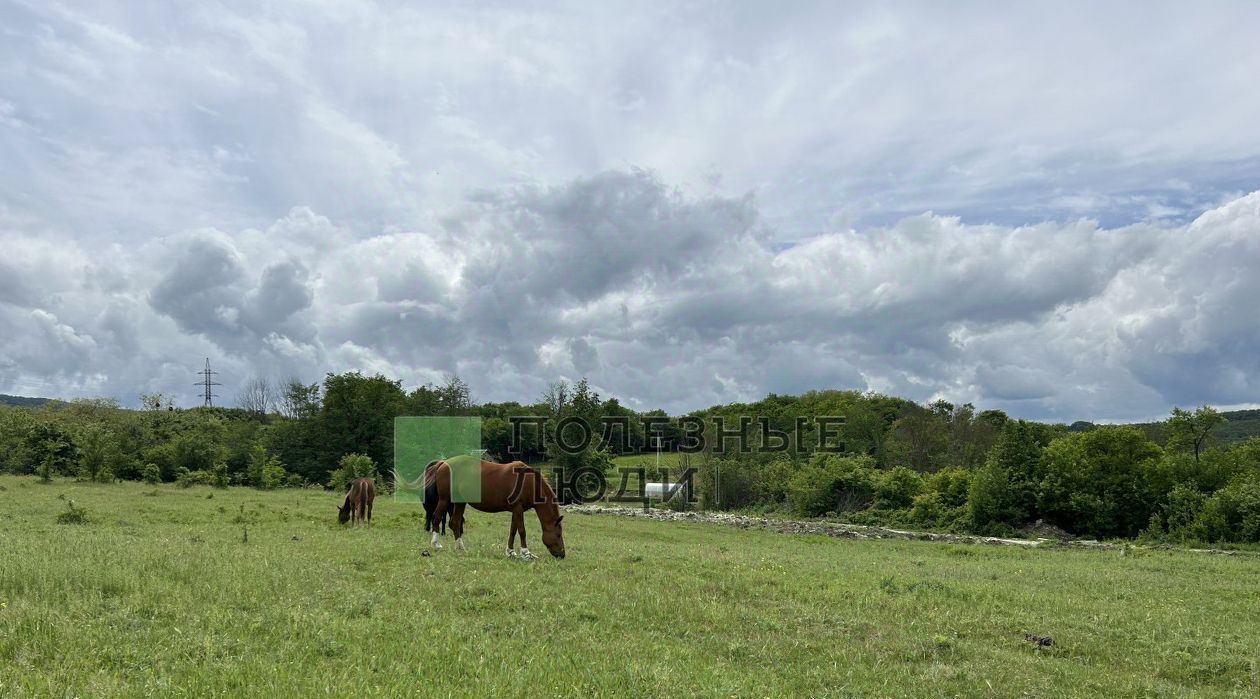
{"points": [[419, 486], [358, 503], [430, 500], [513, 488]]}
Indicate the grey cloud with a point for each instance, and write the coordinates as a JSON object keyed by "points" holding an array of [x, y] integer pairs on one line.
{"points": [[1051, 320], [202, 291], [14, 288], [691, 207]]}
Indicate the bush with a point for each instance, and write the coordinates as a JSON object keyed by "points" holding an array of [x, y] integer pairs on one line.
{"points": [[951, 486], [830, 483], [350, 467], [896, 488], [219, 475], [1232, 514], [151, 473], [927, 509], [273, 475], [187, 479], [73, 514], [265, 472], [1185, 502], [104, 475]]}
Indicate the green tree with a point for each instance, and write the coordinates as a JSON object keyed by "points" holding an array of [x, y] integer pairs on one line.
{"points": [[1100, 482], [266, 471], [298, 400], [1003, 492], [1191, 431], [919, 439], [92, 452], [357, 417]]}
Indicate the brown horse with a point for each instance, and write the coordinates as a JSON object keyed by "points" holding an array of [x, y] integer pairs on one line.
{"points": [[418, 486], [358, 501], [513, 488]]}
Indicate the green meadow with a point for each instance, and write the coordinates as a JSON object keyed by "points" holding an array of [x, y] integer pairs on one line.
{"points": [[168, 591]]}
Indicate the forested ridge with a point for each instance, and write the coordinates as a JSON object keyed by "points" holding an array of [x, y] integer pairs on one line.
{"points": [[1194, 477]]}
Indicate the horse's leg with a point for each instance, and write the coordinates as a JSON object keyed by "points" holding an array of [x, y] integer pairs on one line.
{"points": [[518, 522], [438, 512], [369, 510], [524, 548], [457, 524]]}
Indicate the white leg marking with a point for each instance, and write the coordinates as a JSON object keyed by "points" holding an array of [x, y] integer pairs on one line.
{"points": [[511, 553], [527, 555], [459, 543], [436, 544]]}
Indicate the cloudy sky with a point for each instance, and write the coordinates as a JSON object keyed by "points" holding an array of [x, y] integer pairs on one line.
{"points": [[1046, 209]]}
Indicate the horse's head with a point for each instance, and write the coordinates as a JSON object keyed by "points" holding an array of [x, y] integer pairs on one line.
{"points": [[343, 513], [553, 537]]}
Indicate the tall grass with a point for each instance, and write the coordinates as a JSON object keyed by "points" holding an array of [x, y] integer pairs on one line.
{"points": [[159, 595]]}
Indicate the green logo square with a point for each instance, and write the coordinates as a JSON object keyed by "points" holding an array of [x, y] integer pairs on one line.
{"points": [[419, 441]]}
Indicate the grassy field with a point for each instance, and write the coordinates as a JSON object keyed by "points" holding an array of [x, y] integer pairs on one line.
{"points": [[159, 593]]}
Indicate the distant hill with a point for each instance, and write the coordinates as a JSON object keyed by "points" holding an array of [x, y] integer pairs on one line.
{"points": [[23, 401], [1241, 425]]}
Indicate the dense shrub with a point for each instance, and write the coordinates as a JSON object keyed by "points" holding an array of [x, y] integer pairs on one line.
{"points": [[927, 509], [1184, 503], [273, 475], [187, 479], [73, 514], [266, 472], [1232, 514], [150, 473], [219, 475], [830, 483], [1100, 483], [350, 467], [897, 488], [950, 485]]}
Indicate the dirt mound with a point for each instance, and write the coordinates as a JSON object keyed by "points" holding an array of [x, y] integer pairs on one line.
{"points": [[1042, 530]]}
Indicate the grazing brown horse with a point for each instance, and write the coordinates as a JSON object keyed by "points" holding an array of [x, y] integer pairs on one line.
{"points": [[513, 488], [358, 503]]}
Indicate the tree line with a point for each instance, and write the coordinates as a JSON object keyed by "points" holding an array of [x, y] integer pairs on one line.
{"points": [[897, 462]]}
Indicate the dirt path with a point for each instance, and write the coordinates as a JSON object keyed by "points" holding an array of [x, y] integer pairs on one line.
{"points": [[848, 531]]}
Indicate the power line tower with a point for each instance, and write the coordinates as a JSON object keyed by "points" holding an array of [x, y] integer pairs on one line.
{"points": [[208, 383]]}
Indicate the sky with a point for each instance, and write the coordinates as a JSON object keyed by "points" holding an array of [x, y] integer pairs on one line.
{"points": [[1049, 209]]}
